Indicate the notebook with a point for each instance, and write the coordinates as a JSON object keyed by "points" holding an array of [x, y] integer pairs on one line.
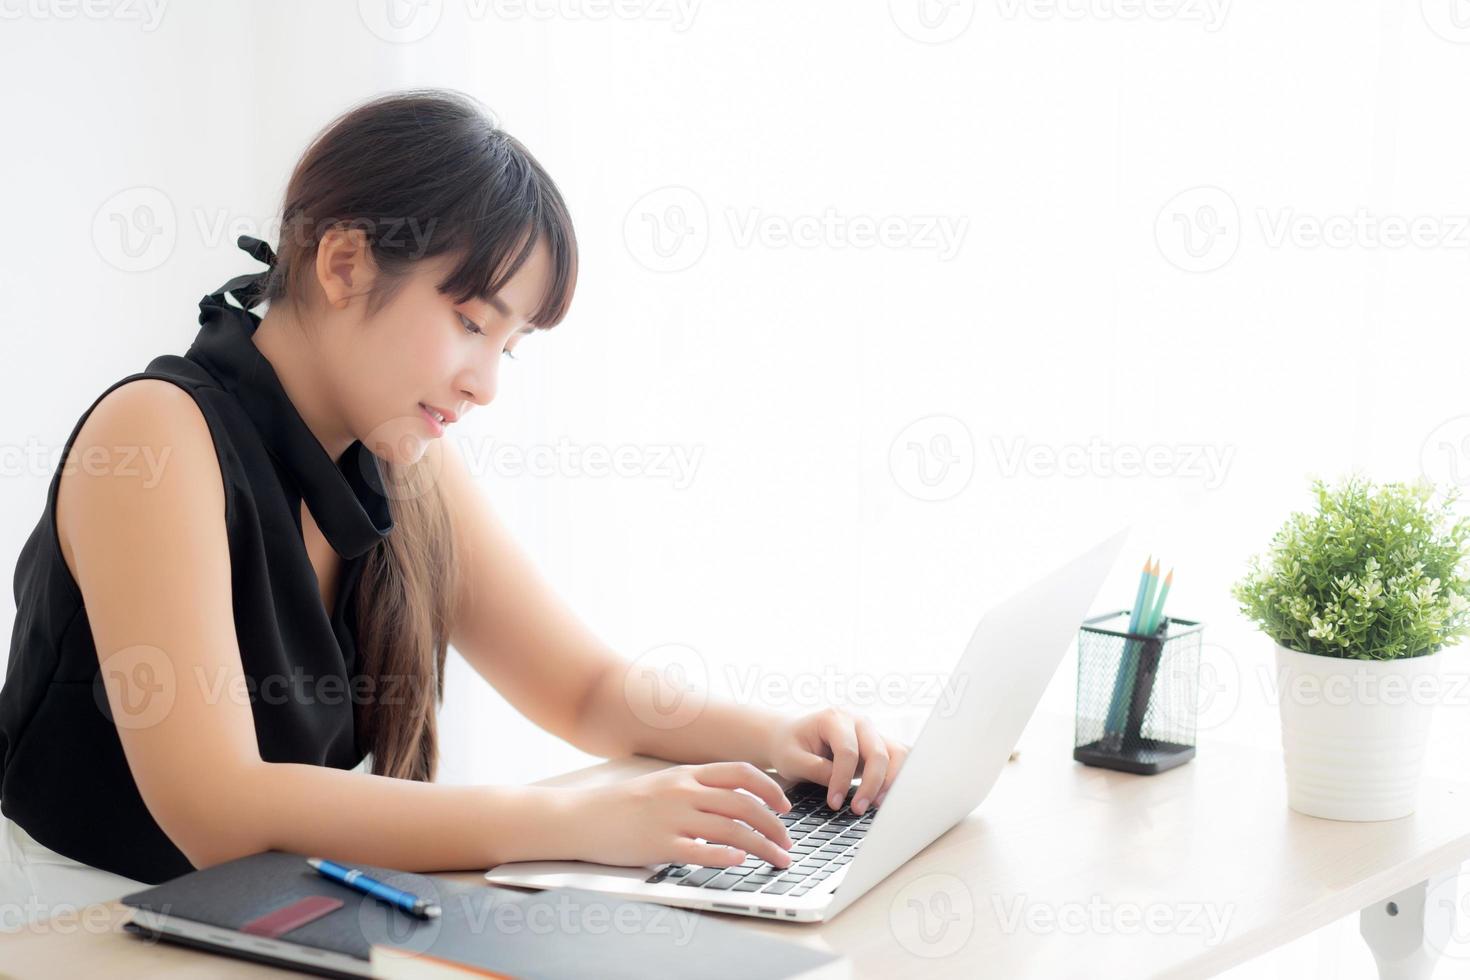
{"points": [[272, 907]]}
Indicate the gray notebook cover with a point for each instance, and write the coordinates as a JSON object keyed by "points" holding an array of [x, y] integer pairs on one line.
{"points": [[558, 932]]}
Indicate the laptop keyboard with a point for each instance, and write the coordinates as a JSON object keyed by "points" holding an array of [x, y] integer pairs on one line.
{"points": [[822, 841]]}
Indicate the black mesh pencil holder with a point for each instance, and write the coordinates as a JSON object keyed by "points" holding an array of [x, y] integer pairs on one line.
{"points": [[1137, 695]]}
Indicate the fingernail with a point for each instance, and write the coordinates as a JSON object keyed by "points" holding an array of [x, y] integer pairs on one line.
{"points": [[859, 805], [834, 801]]}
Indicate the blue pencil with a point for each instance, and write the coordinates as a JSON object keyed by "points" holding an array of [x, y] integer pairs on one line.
{"points": [[1122, 684], [1157, 616]]}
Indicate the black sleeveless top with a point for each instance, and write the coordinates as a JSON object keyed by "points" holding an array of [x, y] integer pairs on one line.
{"points": [[65, 779]]}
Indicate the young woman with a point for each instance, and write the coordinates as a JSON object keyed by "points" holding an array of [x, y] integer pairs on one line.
{"points": [[242, 647]]}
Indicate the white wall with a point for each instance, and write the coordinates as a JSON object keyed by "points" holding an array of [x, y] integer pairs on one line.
{"points": [[1066, 150]]}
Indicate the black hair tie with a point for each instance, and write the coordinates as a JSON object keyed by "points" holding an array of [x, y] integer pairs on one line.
{"points": [[247, 289], [257, 249]]}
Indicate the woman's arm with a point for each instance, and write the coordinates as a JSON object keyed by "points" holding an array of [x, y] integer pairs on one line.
{"points": [[395, 823], [615, 719], [152, 562]]}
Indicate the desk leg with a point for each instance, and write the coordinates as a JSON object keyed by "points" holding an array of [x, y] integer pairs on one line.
{"points": [[1408, 931]]}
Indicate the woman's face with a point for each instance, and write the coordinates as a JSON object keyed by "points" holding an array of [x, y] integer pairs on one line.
{"points": [[423, 349]]}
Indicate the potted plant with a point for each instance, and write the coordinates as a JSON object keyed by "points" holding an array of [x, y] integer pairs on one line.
{"points": [[1361, 597]]}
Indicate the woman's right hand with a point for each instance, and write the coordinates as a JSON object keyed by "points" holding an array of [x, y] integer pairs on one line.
{"points": [[655, 818]]}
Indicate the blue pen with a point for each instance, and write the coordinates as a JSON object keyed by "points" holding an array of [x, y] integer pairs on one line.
{"points": [[352, 878]]}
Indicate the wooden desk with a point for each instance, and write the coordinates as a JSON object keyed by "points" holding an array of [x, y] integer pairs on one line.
{"points": [[1064, 871]]}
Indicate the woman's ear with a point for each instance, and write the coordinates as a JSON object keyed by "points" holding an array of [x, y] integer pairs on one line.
{"points": [[344, 266]]}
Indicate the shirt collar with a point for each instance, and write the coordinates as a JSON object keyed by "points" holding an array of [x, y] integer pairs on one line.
{"points": [[347, 498]]}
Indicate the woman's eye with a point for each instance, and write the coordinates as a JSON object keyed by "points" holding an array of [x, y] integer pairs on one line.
{"points": [[469, 324]]}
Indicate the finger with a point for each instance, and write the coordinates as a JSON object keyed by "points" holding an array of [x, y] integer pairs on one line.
{"points": [[687, 850], [741, 806], [743, 775], [875, 764], [898, 754], [810, 767], [723, 830], [837, 731]]}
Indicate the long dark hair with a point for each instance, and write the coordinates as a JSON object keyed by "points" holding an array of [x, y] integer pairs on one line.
{"points": [[422, 173]]}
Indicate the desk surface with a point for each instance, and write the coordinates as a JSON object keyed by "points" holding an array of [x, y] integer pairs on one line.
{"points": [[1064, 870]]}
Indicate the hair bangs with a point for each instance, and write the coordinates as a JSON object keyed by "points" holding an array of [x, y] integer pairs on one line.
{"points": [[518, 211]]}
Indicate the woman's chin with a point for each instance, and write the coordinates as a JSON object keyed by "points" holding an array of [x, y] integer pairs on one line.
{"points": [[397, 444]]}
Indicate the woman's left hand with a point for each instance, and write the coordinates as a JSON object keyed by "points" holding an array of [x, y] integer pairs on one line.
{"points": [[830, 747]]}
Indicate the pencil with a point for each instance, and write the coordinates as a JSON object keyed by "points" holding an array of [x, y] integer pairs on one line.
{"points": [[1157, 615], [1122, 683]]}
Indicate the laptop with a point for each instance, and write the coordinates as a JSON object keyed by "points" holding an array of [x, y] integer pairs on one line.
{"points": [[955, 760]]}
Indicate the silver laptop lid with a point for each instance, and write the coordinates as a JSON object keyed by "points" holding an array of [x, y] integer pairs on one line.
{"points": [[969, 735]]}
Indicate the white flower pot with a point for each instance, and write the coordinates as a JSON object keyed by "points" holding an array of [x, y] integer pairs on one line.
{"points": [[1354, 731]]}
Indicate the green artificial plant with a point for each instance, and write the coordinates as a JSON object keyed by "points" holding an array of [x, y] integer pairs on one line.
{"points": [[1375, 573]]}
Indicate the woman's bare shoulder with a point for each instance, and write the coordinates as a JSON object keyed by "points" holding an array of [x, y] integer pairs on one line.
{"points": [[145, 453]]}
